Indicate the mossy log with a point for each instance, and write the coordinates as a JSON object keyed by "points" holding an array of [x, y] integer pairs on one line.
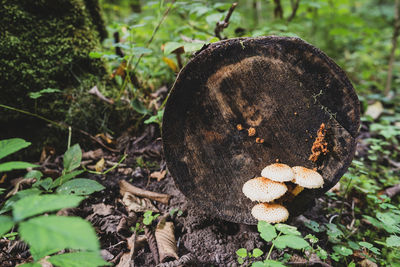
{"points": [[282, 87], [46, 44]]}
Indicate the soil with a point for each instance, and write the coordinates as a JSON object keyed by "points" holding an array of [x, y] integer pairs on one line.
{"points": [[208, 240]]}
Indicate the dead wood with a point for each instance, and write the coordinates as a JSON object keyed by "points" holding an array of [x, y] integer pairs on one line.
{"points": [[127, 187]]}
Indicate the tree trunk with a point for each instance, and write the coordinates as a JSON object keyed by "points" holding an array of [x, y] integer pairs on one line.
{"points": [[282, 87]]}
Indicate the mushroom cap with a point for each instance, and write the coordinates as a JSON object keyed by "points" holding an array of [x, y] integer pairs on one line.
{"points": [[278, 172], [272, 213], [307, 178], [263, 190]]}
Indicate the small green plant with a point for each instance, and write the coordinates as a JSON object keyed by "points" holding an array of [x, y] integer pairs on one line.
{"points": [[242, 254], [281, 236], [148, 217], [48, 234]]}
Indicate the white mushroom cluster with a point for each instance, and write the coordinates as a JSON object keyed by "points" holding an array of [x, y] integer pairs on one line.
{"points": [[271, 186]]}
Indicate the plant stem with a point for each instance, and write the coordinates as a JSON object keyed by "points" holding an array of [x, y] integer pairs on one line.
{"points": [[272, 247], [345, 194]]}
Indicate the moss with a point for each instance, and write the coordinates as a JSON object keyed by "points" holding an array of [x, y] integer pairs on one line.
{"points": [[46, 43]]}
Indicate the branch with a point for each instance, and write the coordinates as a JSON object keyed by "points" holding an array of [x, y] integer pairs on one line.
{"points": [[278, 11], [295, 6], [221, 25], [396, 32]]}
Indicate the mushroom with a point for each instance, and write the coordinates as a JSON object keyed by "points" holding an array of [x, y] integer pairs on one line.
{"points": [[278, 172], [306, 178], [272, 213], [263, 190]]}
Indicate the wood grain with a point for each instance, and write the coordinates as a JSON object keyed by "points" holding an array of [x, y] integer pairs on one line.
{"points": [[284, 88]]}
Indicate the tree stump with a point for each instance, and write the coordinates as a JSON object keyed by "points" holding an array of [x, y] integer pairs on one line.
{"points": [[282, 87]]}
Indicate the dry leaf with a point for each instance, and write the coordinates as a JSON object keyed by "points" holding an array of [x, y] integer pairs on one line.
{"points": [[166, 242], [120, 71], [100, 165], [127, 259], [158, 175], [127, 187], [171, 64], [93, 154], [105, 137], [375, 110], [367, 263], [136, 204], [102, 209], [95, 91]]}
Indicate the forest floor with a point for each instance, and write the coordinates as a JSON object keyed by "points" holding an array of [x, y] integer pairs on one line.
{"points": [[201, 239]]}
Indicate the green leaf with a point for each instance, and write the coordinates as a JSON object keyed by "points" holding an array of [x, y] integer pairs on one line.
{"points": [[141, 50], [287, 229], [80, 186], [171, 46], [34, 205], [9, 146], [267, 231], [267, 263], [192, 47], [49, 234], [139, 107], [393, 241], [241, 252], [78, 259], [34, 174], [291, 241], [95, 55], [72, 158], [6, 223], [342, 250], [16, 165], [257, 252], [64, 178], [312, 225], [45, 183], [240, 260], [365, 244], [20, 195]]}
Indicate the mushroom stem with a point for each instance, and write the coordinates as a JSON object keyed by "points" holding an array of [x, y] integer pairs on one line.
{"points": [[297, 190]]}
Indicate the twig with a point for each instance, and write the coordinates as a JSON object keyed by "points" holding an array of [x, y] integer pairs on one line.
{"points": [[221, 25], [127, 187], [184, 260], [396, 32], [310, 263], [392, 191], [295, 6], [152, 244]]}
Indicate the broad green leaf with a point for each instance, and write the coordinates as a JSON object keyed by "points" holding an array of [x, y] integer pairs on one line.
{"points": [[80, 186], [193, 47], [34, 174], [95, 54], [6, 223], [365, 244], [78, 259], [393, 241], [72, 158], [267, 231], [34, 205], [141, 50], [171, 46], [241, 252], [291, 241], [139, 107], [20, 195], [342, 250], [15, 165], [9, 146], [287, 229], [49, 234], [313, 225], [2, 190], [257, 252], [64, 178], [267, 263], [45, 183]]}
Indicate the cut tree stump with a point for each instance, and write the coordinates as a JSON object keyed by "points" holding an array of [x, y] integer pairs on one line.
{"points": [[282, 87]]}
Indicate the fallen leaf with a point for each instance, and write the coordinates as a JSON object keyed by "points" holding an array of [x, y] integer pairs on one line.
{"points": [[374, 110], [171, 64], [127, 258], [102, 209], [166, 242], [137, 204], [100, 165], [93, 154], [367, 263], [124, 187], [158, 175]]}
